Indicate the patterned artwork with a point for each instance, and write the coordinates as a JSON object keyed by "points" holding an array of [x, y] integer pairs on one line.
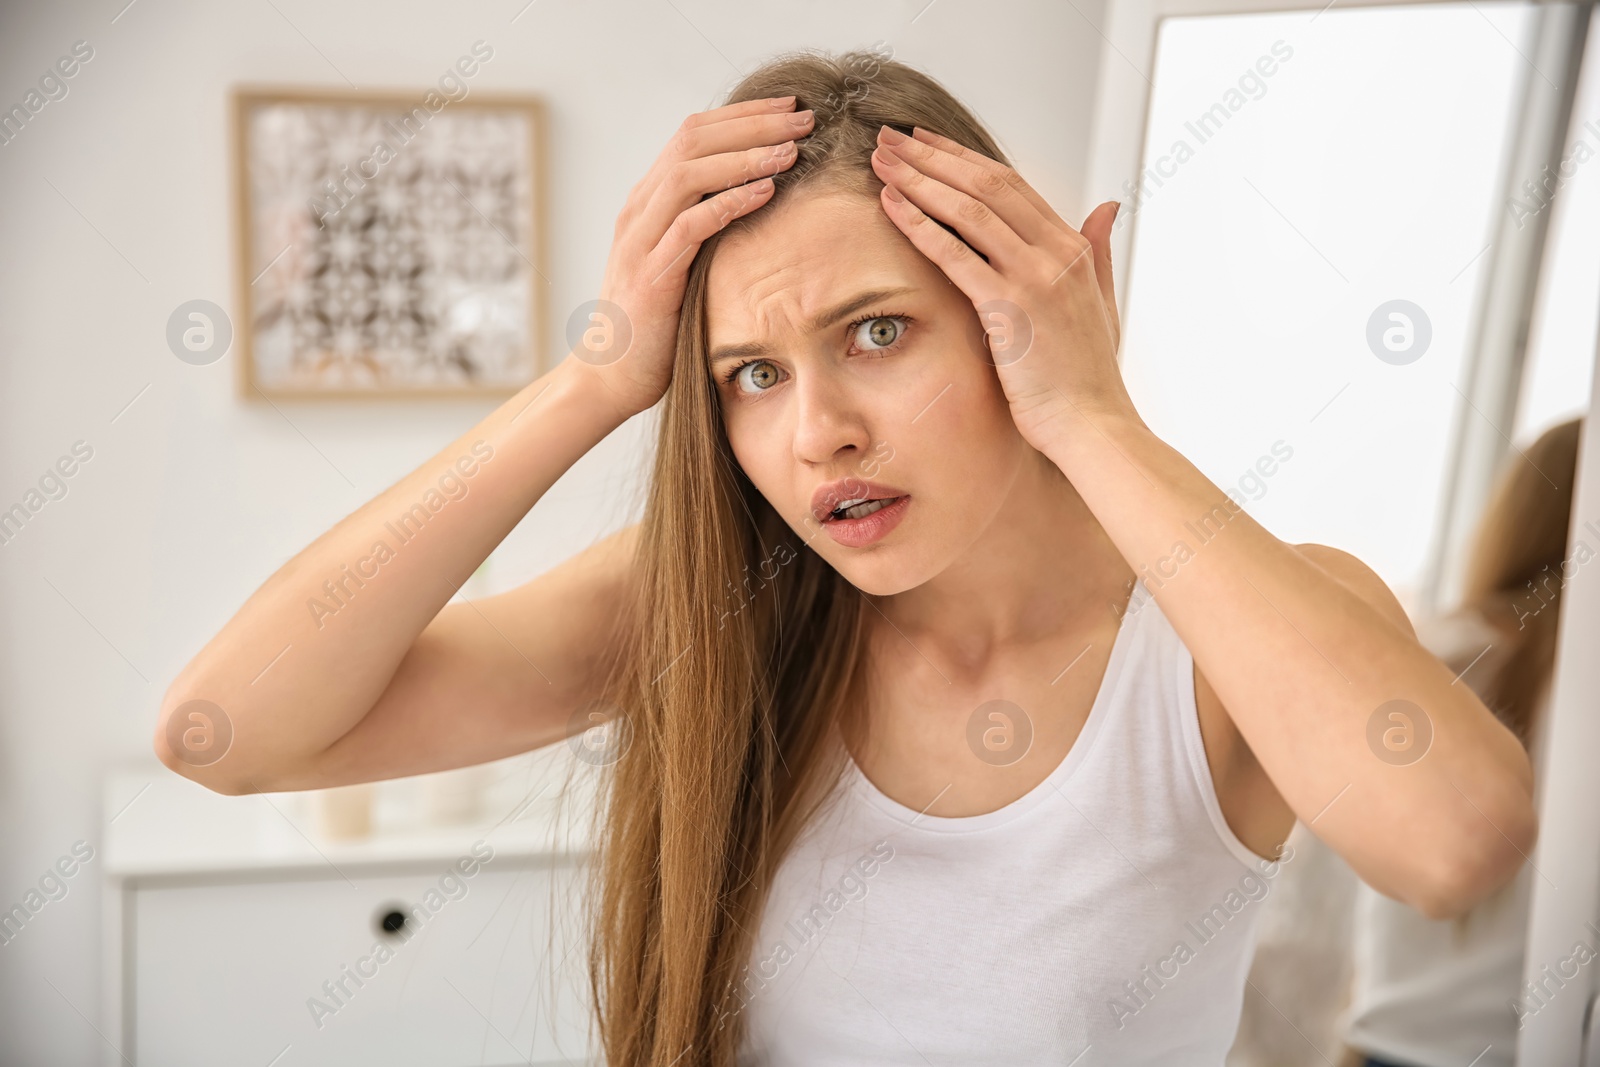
{"points": [[389, 250]]}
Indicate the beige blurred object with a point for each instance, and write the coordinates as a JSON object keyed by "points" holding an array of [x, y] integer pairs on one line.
{"points": [[1299, 981], [344, 812], [453, 797]]}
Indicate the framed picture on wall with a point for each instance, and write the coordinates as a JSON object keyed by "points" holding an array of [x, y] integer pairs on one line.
{"points": [[390, 244]]}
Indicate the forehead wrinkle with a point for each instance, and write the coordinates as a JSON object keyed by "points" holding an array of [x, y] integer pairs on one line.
{"points": [[784, 309], [776, 301]]}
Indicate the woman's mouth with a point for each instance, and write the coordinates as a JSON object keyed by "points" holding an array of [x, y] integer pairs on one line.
{"points": [[858, 524]]}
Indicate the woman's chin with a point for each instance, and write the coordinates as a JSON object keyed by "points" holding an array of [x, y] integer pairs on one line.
{"points": [[884, 576]]}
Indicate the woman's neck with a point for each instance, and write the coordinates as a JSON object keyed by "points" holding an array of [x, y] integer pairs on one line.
{"points": [[1044, 565]]}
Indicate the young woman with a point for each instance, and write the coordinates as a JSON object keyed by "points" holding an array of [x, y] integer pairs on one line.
{"points": [[964, 716]]}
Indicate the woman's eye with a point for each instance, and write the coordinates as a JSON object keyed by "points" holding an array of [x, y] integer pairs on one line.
{"points": [[758, 372], [880, 332]]}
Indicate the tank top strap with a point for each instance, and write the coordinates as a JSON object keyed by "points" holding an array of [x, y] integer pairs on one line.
{"points": [[1161, 711]]}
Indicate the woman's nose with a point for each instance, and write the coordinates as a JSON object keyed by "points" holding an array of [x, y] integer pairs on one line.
{"points": [[828, 419]]}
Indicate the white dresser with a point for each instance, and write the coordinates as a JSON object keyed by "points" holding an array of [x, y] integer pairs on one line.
{"points": [[236, 933]]}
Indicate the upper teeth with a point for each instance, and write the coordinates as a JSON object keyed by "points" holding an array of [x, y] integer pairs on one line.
{"points": [[861, 508]]}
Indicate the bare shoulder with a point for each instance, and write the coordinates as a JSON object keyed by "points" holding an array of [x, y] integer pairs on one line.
{"points": [[1361, 580]]}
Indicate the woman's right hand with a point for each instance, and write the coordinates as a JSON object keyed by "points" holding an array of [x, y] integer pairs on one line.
{"points": [[727, 151]]}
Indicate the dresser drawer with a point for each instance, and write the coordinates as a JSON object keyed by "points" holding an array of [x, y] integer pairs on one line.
{"points": [[406, 966]]}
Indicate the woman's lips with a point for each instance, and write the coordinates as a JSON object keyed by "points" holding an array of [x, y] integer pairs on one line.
{"points": [[857, 533], [828, 496]]}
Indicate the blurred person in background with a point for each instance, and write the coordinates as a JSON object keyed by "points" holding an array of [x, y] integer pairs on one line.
{"points": [[1443, 993]]}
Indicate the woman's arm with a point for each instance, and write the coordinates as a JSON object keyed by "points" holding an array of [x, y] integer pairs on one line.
{"points": [[494, 677], [1305, 660], [1305, 646], [342, 667], [352, 624]]}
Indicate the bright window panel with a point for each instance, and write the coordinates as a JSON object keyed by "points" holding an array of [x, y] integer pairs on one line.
{"points": [[1350, 159]]}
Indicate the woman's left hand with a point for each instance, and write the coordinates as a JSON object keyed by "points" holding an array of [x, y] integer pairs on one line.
{"points": [[1045, 296]]}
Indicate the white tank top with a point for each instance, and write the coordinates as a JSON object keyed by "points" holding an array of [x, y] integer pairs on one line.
{"points": [[1106, 917]]}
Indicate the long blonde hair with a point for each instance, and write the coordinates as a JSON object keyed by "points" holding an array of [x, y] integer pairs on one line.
{"points": [[744, 645]]}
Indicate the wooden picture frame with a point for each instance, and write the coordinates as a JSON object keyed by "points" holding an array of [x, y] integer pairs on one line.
{"points": [[388, 247]]}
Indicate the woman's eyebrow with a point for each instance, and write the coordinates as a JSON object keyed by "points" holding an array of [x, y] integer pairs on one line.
{"points": [[821, 322]]}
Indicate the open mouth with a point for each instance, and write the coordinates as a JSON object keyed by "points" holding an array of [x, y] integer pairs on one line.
{"points": [[859, 509]]}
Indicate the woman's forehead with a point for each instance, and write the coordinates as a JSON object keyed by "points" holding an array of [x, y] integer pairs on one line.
{"points": [[813, 252]]}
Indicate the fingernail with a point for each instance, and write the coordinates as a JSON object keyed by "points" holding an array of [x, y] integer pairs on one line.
{"points": [[921, 134], [886, 157], [800, 118], [894, 194], [889, 135], [782, 103]]}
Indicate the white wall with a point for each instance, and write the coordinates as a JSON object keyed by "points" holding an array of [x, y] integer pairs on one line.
{"points": [[114, 209]]}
